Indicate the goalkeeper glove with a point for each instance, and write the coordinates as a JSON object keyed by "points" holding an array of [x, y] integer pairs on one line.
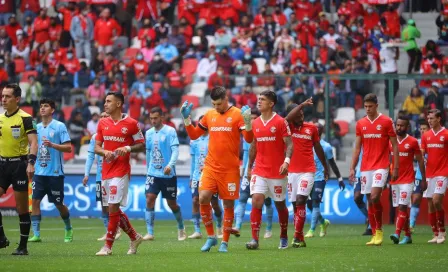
{"points": [[247, 117], [185, 111]]}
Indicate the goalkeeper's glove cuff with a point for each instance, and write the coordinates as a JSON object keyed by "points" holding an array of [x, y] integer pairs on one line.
{"points": [[248, 127], [187, 121]]}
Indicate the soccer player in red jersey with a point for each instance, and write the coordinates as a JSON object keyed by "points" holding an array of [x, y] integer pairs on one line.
{"points": [[435, 145], [221, 173], [271, 151], [117, 136], [305, 137], [373, 134], [402, 188]]}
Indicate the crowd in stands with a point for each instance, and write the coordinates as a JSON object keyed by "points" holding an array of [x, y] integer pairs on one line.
{"points": [[75, 52]]}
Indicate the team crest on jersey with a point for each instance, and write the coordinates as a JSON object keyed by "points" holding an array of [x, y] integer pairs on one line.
{"points": [[406, 146], [378, 127], [51, 134], [442, 138], [231, 187], [229, 120], [273, 129], [404, 194], [378, 177], [213, 119], [307, 131], [439, 183], [15, 132], [124, 130]]}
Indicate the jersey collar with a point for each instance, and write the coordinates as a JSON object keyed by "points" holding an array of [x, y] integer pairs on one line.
{"points": [[400, 142], [435, 134], [367, 117], [123, 117], [16, 111], [267, 122]]}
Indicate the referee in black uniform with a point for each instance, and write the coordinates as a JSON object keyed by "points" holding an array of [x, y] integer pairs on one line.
{"points": [[18, 149]]}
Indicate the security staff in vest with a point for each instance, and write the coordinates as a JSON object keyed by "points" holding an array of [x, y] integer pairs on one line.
{"points": [[18, 149]]}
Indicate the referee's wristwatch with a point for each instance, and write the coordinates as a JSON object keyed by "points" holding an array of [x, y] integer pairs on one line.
{"points": [[32, 159]]}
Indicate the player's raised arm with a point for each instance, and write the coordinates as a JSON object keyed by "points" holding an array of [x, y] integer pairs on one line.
{"points": [[288, 154], [252, 155], [355, 157], [297, 110], [192, 131], [247, 132]]}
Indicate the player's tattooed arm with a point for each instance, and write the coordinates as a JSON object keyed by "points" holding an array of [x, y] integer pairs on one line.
{"points": [[252, 155], [355, 158], [321, 155], [297, 110]]}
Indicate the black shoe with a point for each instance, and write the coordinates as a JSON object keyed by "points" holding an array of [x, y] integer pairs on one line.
{"points": [[368, 232], [20, 251], [4, 242]]}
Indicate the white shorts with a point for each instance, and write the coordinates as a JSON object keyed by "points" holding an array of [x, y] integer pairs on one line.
{"points": [[373, 179], [436, 185], [115, 190], [401, 194], [273, 188], [299, 184]]}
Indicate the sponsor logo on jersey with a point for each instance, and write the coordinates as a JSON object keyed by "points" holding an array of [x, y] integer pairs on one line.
{"points": [[436, 145], [403, 154], [372, 136], [114, 139], [266, 139], [226, 129], [301, 136], [124, 130], [273, 129]]}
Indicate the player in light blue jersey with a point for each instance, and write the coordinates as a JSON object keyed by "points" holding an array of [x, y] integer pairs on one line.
{"points": [[198, 152], [417, 194], [358, 197], [53, 140], [162, 151], [319, 186]]}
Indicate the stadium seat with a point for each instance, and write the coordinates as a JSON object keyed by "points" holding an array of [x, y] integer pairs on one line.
{"points": [[198, 89], [211, 40], [344, 126], [189, 66], [83, 152], [346, 114], [67, 111], [27, 109], [260, 62], [121, 43], [156, 86], [191, 99], [136, 43], [20, 65], [130, 54], [26, 74], [199, 111], [71, 155]]}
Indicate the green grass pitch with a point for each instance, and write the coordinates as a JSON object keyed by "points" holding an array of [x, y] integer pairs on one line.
{"points": [[342, 250]]}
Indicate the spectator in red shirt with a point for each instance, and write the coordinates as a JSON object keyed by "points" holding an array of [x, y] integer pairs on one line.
{"points": [[279, 17], [390, 20], [52, 63], [247, 97], [306, 33], [135, 105], [81, 31], [323, 51], [146, 9], [71, 63], [218, 79], [55, 30], [68, 13], [6, 11], [323, 23], [154, 99], [371, 19], [176, 77], [303, 9], [146, 33], [41, 29], [299, 54], [139, 64], [316, 9], [3, 74], [37, 57], [355, 8], [106, 31], [260, 18], [29, 8], [12, 28]]}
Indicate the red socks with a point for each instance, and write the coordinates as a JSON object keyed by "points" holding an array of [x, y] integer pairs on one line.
{"points": [[114, 219], [371, 216], [402, 220], [440, 215], [299, 221], [229, 214], [126, 226], [283, 217], [255, 222], [378, 212], [207, 218], [433, 223]]}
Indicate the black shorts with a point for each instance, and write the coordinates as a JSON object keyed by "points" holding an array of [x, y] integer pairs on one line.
{"points": [[167, 186], [51, 186], [14, 173]]}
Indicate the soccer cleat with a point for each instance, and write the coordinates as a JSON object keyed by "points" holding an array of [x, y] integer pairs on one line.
{"points": [[296, 243], [4, 242], [148, 237], [368, 232], [253, 244], [219, 233], [34, 239], [118, 234], [133, 246], [395, 238], [223, 247], [283, 243], [441, 238], [181, 235], [20, 252], [68, 236], [309, 234], [196, 235], [406, 240], [102, 238], [211, 242], [324, 227], [372, 241], [104, 251], [433, 240], [267, 234], [235, 232], [378, 238]]}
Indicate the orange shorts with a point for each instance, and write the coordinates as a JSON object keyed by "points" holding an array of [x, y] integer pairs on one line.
{"points": [[227, 185]]}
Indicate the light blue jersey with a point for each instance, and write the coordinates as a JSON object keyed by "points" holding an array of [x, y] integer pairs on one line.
{"points": [[50, 161], [199, 150], [162, 149], [91, 158], [358, 166], [418, 174], [328, 152]]}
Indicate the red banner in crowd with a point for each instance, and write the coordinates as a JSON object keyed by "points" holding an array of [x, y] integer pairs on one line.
{"points": [[380, 2]]}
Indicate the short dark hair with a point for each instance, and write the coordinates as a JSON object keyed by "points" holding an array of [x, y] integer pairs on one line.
{"points": [[16, 90], [218, 92], [403, 117], [371, 97], [118, 96], [437, 113], [156, 110], [48, 101], [270, 95], [423, 122]]}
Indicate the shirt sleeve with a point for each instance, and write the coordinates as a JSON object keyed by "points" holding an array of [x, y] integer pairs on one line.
{"points": [[391, 129], [99, 132], [423, 143], [203, 123], [285, 129], [63, 134], [416, 148], [137, 134], [328, 152], [174, 139], [29, 125], [315, 135]]}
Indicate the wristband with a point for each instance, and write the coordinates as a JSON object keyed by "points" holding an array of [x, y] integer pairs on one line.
{"points": [[187, 121], [340, 179], [32, 159], [128, 148], [288, 160]]}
